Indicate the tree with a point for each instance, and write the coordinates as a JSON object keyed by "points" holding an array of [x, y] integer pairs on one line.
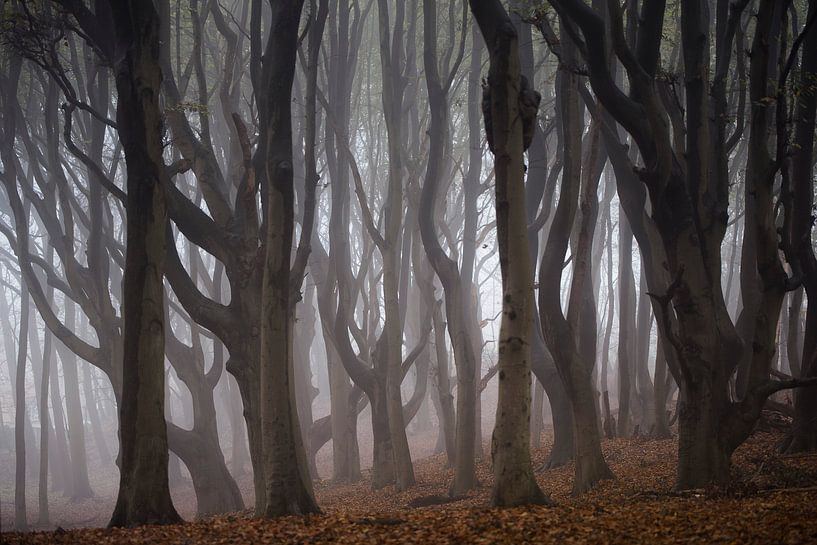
{"points": [[804, 430], [9, 179], [288, 485], [508, 109], [571, 338], [456, 288], [687, 182], [144, 494]]}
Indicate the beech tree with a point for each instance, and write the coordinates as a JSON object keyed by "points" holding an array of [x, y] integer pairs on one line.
{"points": [[508, 106]]}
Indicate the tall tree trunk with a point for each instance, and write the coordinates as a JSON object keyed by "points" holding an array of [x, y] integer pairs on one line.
{"points": [[472, 189], [144, 494], [626, 323], [445, 267], [393, 89], [446, 415], [804, 430], [537, 418], [608, 424], [509, 112], [571, 337], [288, 486]]}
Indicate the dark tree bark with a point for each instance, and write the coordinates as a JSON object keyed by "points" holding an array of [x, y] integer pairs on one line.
{"points": [[288, 486], [10, 84], [688, 185], [144, 494], [391, 43], [643, 382], [571, 336]]}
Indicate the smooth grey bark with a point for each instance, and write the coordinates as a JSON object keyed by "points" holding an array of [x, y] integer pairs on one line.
{"points": [[391, 42], [509, 111], [438, 85], [571, 335]]}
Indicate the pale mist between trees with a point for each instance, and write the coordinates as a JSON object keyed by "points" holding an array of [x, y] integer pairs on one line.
{"points": [[252, 245]]}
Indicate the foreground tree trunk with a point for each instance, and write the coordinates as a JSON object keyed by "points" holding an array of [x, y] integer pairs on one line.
{"points": [[144, 494], [389, 245], [507, 109], [288, 485]]}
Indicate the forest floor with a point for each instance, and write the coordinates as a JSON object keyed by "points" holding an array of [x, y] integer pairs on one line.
{"points": [[773, 499]]}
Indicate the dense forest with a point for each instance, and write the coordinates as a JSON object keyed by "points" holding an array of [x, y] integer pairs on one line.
{"points": [[409, 270]]}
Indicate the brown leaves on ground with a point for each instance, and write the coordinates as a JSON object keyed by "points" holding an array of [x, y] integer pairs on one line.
{"points": [[773, 499]]}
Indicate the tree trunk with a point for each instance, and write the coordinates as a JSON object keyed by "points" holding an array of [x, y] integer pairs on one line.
{"points": [[105, 457], [661, 429], [304, 336], [608, 424], [571, 337], [144, 494], [644, 385], [20, 522], [804, 429], [216, 490], [392, 99], [560, 411], [288, 486], [238, 431], [626, 323], [445, 267], [76, 427], [507, 111], [45, 425]]}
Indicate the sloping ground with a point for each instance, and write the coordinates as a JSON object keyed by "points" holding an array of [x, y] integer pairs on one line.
{"points": [[773, 500]]}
